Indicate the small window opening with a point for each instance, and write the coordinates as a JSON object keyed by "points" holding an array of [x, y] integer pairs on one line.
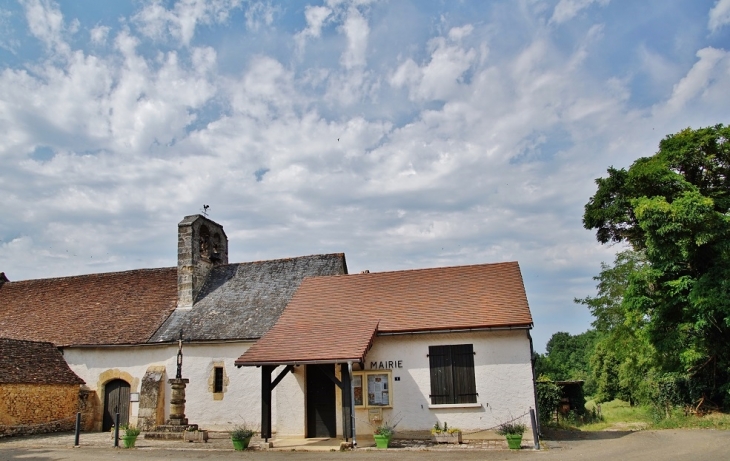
{"points": [[218, 380]]}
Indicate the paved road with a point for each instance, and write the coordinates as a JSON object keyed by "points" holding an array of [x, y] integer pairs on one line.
{"points": [[669, 445]]}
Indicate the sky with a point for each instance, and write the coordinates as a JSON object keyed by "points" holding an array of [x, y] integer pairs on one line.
{"points": [[405, 133]]}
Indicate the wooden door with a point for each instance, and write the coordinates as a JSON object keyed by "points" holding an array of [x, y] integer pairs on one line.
{"points": [[116, 400], [321, 413]]}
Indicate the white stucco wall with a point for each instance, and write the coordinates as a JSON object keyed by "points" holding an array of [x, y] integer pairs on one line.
{"points": [[242, 392], [290, 403], [503, 374]]}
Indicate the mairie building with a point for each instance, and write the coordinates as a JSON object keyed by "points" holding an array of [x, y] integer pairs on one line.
{"points": [[297, 346]]}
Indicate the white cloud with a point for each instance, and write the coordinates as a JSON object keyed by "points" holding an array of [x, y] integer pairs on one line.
{"points": [[356, 30], [260, 13], [99, 34], [180, 22], [441, 77], [45, 22], [566, 10], [719, 15], [315, 17], [709, 73]]}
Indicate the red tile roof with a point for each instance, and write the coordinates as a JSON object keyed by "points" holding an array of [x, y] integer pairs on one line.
{"points": [[30, 362], [335, 318], [111, 308]]}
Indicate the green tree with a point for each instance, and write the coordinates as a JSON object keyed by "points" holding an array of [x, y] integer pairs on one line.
{"points": [[622, 357], [673, 207], [567, 357]]}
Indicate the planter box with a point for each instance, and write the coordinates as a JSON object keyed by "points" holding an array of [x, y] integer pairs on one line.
{"points": [[446, 438], [195, 436]]}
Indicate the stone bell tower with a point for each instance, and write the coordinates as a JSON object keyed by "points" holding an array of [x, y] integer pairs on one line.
{"points": [[201, 245]]}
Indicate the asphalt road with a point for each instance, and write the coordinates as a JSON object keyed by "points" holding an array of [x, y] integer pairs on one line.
{"points": [[669, 445]]}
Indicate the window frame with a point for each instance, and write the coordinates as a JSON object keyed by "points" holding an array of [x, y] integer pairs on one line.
{"points": [[452, 374], [364, 374]]}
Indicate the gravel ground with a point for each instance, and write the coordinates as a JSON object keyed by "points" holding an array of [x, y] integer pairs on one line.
{"points": [[671, 445]]}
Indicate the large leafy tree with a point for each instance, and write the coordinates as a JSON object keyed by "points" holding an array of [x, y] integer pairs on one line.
{"points": [[674, 208]]}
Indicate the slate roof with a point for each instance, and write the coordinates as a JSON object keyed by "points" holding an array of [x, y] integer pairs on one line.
{"points": [[336, 318], [31, 362], [243, 301], [109, 308]]}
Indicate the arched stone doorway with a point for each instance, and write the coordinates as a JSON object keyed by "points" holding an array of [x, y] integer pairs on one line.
{"points": [[116, 400]]}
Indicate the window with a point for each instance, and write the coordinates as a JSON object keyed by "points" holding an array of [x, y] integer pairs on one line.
{"points": [[452, 374], [218, 380], [372, 389]]}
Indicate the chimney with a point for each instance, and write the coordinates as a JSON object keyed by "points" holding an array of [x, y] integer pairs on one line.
{"points": [[201, 245]]}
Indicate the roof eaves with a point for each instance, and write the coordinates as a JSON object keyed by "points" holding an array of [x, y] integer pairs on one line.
{"points": [[520, 326]]}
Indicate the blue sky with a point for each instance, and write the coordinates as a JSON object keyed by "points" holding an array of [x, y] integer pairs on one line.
{"points": [[406, 134]]}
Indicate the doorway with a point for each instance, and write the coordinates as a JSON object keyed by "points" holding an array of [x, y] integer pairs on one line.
{"points": [[321, 411], [116, 400]]}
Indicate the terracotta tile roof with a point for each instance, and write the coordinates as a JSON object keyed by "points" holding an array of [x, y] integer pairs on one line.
{"points": [[30, 362], [110, 308], [335, 317], [243, 301]]}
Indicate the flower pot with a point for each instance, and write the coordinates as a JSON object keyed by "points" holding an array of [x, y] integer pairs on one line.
{"points": [[445, 437], [129, 440], [241, 444], [514, 441], [195, 436], [381, 441]]}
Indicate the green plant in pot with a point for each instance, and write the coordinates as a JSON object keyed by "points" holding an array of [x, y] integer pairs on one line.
{"points": [[241, 436], [129, 438], [512, 431], [382, 435]]}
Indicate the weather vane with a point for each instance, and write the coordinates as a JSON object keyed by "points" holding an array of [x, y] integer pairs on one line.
{"points": [[205, 210]]}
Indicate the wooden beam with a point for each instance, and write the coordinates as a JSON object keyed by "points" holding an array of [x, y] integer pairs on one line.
{"points": [[330, 375], [281, 376]]}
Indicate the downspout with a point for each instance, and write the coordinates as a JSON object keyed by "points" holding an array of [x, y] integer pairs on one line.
{"points": [[534, 381], [352, 406]]}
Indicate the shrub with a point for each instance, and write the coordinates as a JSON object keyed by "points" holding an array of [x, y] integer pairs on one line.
{"points": [[512, 428]]}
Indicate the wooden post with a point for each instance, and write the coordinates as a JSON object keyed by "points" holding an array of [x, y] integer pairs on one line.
{"points": [[346, 401], [266, 371]]}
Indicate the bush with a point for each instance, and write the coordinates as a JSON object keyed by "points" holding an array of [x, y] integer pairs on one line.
{"points": [[242, 432], [548, 399], [512, 428], [131, 431]]}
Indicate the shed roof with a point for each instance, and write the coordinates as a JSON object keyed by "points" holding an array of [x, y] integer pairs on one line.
{"points": [[335, 318], [32, 362]]}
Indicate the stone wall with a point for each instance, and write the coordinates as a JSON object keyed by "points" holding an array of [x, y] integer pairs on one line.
{"points": [[88, 406], [37, 408]]}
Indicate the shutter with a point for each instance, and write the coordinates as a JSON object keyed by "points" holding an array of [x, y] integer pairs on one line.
{"points": [[439, 358], [465, 388]]}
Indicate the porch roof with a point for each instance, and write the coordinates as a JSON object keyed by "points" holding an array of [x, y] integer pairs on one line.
{"points": [[335, 319]]}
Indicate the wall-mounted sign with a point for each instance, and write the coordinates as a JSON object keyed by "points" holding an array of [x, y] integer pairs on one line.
{"points": [[134, 397], [386, 365]]}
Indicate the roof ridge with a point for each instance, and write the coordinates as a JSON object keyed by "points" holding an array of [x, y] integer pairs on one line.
{"points": [[94, 274], [261, 261], [424, 269]]}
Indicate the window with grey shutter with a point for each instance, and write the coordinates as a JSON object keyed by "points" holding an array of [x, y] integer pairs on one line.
{"points": [[452, 374]]}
